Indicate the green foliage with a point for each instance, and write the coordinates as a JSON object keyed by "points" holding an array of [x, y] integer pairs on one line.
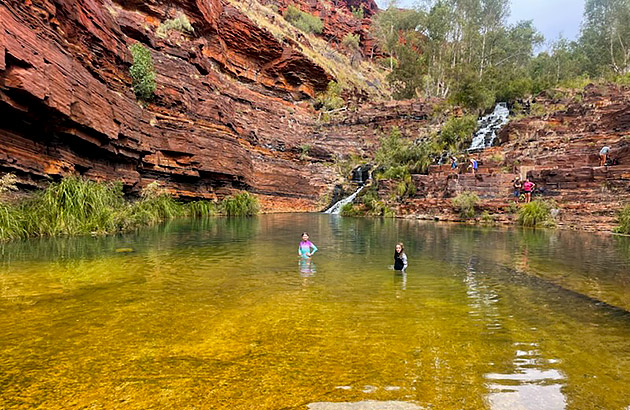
{"points": [[303, 20], [396, 152], [179, 23], [350, 210], [351, 42], [466, 203], [78, 206], [358, 12], [624, 221], [243, 204], [142, 72], [536, 213], [486, 218], [456, 133], [201, 209], [331, 99]]}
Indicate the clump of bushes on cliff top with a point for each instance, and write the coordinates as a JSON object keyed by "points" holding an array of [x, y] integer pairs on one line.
{"points": [[466, 203], [78, 206], [142, 72], [457, 132], [358, 12], [303, 20], [624, 221], [179, 23], [536, 213]]}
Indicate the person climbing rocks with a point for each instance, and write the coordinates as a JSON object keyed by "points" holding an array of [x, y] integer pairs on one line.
{"points": [[518, 185], [454, 164], [473, 166], [603, 155], [528, 187]]}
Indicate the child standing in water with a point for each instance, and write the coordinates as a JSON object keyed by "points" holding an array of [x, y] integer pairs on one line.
{"points": [[400, 259], [306, 248]]}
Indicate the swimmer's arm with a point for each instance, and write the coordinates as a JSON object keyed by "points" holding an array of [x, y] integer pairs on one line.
{"points": [[314, 248], [404, 259], [299, 251]]}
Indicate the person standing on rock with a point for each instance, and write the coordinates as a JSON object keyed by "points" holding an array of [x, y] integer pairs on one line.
{"points": [[603, 155], [454, 164], [518, 184], [528, 187], [473, 165]]}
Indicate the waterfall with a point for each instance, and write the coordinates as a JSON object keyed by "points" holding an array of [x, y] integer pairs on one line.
{"points": [[336, 208], [488, 127]]}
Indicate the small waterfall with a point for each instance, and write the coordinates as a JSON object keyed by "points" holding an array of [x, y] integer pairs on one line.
{"points": [[336, 208], [488, 127]]}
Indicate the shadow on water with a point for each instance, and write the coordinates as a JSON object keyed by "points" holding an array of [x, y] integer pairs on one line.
{"points": [[221, 313]]}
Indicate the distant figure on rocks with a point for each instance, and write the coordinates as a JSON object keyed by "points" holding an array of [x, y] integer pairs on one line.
{"points": [[528, 187], [518, 185], [603, 155], [473, 165], [400, 259], [454, 164], [306, 249]]}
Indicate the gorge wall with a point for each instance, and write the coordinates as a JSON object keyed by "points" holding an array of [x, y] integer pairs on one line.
{"points": [[558, 149], [231, 111]]}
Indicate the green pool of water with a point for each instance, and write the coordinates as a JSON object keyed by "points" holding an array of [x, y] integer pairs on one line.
{"points": [[221, 314]]}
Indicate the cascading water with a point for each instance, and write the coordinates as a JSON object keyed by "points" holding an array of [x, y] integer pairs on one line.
{"points": [[336, 208], [488, 127]]}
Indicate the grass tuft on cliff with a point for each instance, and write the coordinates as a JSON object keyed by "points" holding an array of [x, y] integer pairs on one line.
{"points": [[306, 22], [78, 206], [179, 23], [142, 72], [624, 221], [536, 213]]}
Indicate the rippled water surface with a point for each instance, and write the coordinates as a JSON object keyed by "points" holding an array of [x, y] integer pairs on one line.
{"points": [[221, 314]]}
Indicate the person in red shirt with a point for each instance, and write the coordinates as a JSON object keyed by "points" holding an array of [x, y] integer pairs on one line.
{"points": [[528, 187]]}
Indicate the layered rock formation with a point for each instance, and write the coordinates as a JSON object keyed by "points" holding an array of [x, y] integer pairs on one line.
{"points": [[230, 111], [558, 150]]}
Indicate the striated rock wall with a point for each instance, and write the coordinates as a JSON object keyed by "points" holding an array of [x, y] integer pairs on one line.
{"points": [[230, 110], [558, 150]]}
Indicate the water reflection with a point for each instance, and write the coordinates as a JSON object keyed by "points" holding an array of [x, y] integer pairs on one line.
{"points": [[214, 315], [531, 385]]}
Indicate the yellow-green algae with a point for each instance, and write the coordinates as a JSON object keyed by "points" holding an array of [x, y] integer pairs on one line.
{"points": [[215, 314]]}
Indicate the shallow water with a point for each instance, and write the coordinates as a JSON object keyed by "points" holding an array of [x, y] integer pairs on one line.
{"points": [[221, 314]]}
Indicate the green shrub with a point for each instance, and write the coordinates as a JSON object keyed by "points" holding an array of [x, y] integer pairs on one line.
{"points": [[457, 132], [331, 99], [358, 12], [201, 209], [243, 204], [142, 72], [624, 221], [350, 210], [465, 203], [179, 23], [351, 42], [486, 218], [396, 151], [303, 20], [535, 213]]}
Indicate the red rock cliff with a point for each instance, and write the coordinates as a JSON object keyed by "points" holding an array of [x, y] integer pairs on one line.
{"points": [[229, 111]]}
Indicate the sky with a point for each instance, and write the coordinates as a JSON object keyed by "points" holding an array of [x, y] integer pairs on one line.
{"points": [[551, 17]]}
